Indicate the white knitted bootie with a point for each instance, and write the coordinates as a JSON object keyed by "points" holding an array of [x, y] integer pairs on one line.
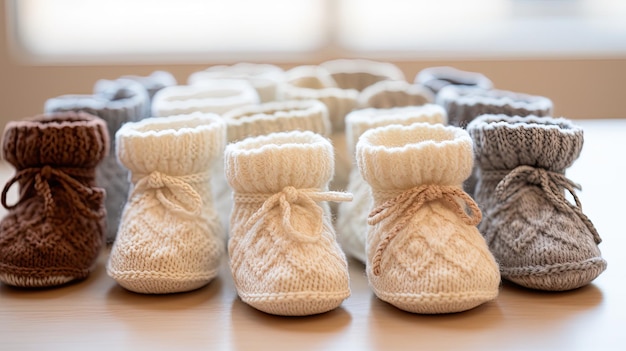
{"points": [[424, 252], [352, 216], [170, 237], [284, 256], [394, 93], [265, 78], [212, 96]]}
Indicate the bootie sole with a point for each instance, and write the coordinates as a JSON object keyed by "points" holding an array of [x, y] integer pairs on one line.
{"points": [[161, 283], [436, 303], [559, 277], [295, 303]]}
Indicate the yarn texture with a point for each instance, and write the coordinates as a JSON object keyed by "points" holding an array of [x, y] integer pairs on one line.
{"points": [[424, 252], [283, 252], [352, 216], [394, 93], [170, 238], [116, 102], [54, 233], [541, 240]]}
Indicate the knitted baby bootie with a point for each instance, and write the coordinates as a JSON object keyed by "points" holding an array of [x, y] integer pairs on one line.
{"points": [[208, 96], [154, 82], [116, 102], [265, 78], [315, 82], [436, 78], [394, 93], [463, 104], [541, 240], [352, 216], [54, 233], [359, 74], [424, 252], [283, 252], [170, 238]]}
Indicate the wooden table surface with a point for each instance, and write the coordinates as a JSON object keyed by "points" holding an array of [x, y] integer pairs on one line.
{"points": [[97, 314]]}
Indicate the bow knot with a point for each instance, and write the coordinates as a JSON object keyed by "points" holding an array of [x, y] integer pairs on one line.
{"points": [[552, 184], [82, 197], [403, 207], [174, 192], [284, 200]]}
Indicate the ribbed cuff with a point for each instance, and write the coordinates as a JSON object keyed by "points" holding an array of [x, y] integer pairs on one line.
{"points": [[503, 142], [436, 78], [177, 145], [272, 117], [463, 104], [389, 93], [396, 158], [265, 78], [266, 164], [359, 121], [359, 74], [209, 96], [64, 139]]}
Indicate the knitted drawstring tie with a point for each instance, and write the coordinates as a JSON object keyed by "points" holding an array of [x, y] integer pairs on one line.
{"points": [[284, 200], [40, 179], [552, 184], [403, 207], [174, 192]]}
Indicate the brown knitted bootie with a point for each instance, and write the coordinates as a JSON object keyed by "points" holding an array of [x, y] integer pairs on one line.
{"points": [[54, 232]]}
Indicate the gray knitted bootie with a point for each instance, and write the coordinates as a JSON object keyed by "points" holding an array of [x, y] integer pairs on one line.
{"points": [[540, 239], [436, 78], [116, 102]]}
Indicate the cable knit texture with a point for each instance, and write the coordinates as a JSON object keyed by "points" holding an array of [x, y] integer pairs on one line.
{"points": [[315, 82], [424, 252], [359, 74], [390, 93], [211, 96], [436, 78], [284, 256], [541, 240], [55, 231], [265, 78], [170, 238], [352, 216], [116, 102]]}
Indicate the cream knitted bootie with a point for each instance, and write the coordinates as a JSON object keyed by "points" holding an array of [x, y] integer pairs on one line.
{"points": [[424, 253], [352, 216], [359, 74], [211, 96], [394, 93], [116, 102], [265, 78], [540, 239], [284, 256], [170, 237]]}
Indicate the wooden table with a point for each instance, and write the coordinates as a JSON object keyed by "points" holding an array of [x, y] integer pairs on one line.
{"points": [[97, 314]]}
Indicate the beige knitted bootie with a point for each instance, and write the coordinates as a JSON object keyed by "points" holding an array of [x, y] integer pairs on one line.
{"points": [[352, 216], [170, 239], [424, 252], [284, 256]]}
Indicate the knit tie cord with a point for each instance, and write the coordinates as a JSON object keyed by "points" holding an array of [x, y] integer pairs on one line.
{"points": [[552, 184], [284, 200], [174, 192], [40, 179], [402, 208]]}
